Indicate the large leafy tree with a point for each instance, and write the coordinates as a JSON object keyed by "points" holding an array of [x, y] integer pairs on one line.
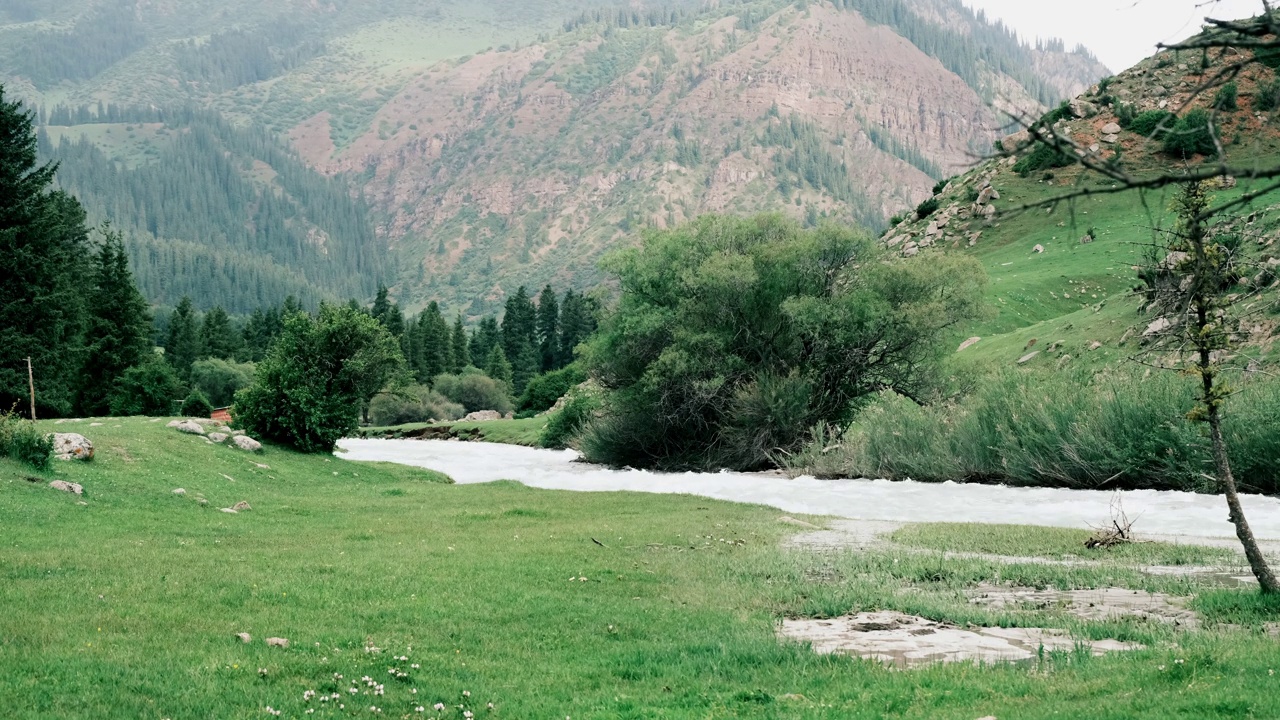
{"points": [[309, 390], [119, 328], [733, 338], [44, 258]]}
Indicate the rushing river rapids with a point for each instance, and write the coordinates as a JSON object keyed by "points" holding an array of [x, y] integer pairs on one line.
{"points": [[1156, 511]]}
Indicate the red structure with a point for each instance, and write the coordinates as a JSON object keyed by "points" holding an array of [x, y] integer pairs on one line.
{"points": [[222, 414]]}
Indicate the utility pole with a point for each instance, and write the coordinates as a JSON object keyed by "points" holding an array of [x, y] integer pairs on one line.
{"points": [[31, 383]]}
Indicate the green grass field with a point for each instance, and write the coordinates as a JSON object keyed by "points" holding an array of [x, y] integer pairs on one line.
{"points": [[127, 605]]}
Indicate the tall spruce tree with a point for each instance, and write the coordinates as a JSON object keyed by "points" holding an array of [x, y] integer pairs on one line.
{"points": [[43, 260], [119, 327], [548, 330], [486, 336], [577, 323], [459, 351], [182, 348], [218, 337], [497, 367], [436, 350], [519, 324]]}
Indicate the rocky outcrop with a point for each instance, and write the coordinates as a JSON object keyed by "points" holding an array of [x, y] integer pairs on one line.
{"points": [[483, 416]]}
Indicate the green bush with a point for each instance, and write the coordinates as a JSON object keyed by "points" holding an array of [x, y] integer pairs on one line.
{"points": [[565, 425], [1062, 112], [413, 405], [1146, 124], [1192, 135], [1228, 97], [543, 391], [927, 208], [1117, 431], [22, 440], [151, 388], [197, 405], [474, 392], [311, 387], [1267, 96], [220, 380], [734, 337], [1044, 157]]}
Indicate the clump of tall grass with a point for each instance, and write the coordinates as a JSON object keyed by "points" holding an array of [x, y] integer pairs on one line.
{"points": [[1117, 430], [22, 440]]}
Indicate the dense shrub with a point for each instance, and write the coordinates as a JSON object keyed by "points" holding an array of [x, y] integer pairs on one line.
{"points": [[151, 388], [1192, 135], [1267, 96], [1228, 97], [734, 337], [564, 426], [1043, 157], [927, 208], [220, 380], [196, 405], [1146, 124], [412, 405], [1058, 430], [543, 391], [474, 392], [22, 440], [310, 388]]}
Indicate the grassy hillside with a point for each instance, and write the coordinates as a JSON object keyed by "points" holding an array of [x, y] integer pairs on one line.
{"points": [[126, 602]]}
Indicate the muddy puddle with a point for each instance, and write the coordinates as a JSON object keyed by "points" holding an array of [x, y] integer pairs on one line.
{"points": [[909, 641]]}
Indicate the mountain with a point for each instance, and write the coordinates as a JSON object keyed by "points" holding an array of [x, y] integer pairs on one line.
{"points": [[456, 150], [1063, 275]]}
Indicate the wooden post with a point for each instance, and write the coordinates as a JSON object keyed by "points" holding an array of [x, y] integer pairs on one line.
{"points": [[31, 383]]}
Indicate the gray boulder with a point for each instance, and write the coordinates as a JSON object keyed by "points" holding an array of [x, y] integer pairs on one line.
{"points": [[190, 426], [246, 443], [65, 486], [1111, 129], [217, 437], [72, 446], [483, 416]]}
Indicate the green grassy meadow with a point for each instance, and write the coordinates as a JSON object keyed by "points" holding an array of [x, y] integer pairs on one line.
{"points": [[128, 605]]}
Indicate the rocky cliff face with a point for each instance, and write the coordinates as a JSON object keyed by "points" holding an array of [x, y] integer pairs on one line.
{"points": [[523, 166]]}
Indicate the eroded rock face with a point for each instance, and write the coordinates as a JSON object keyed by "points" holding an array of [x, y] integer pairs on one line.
{"points": [[911, 641], [72, 446]]}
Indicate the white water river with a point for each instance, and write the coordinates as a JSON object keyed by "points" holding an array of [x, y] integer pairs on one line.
{"points": [[1155, 511]]}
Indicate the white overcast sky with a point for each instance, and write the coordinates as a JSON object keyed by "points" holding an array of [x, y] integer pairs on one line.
{"points": [[1119, 32]]}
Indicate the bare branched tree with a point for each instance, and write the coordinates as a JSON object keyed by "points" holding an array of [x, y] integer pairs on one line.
{"points": [[1200, 280]]}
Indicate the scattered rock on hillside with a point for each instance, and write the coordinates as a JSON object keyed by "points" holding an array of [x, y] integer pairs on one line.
{"points": [[969, 343], [1094, 345], [229, 511], [277, 642], [72, 446], [1158, 325], [245, 637], [1028, 357], [217, 437], [1111, 128], [65, 486], [1086, 239], [189, 426], [482, 416], [179, 491], [1082, 108], [242, 505], [1037, 249], [246, 443]]}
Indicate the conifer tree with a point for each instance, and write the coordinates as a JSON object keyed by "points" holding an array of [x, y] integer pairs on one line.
{"points": [[486, 336], [548, 330], [43, 262], [577, 323], [183, 344], [519, 324], [460, 351], [497, 367], [119, 327], [436, 349], [218, 338]]}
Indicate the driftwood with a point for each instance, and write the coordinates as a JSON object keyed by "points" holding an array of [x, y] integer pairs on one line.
{"points": [[1118, 532]]}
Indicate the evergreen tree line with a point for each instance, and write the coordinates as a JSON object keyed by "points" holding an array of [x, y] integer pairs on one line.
{"points": [[240, 57], [804, 159], [531, 338], [68, 304], [201, 224], [95, 43]]}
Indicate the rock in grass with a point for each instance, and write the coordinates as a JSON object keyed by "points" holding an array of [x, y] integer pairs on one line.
{"points": [[242, 505], [72, 446], [179, 491], [246, 443], [1028, 357], [190, 426], [202, 502], [65, 486], [969, 343], [483, 416], [171, 424], [245, 637], [217, 437], [229, 511], [277, 642]]}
